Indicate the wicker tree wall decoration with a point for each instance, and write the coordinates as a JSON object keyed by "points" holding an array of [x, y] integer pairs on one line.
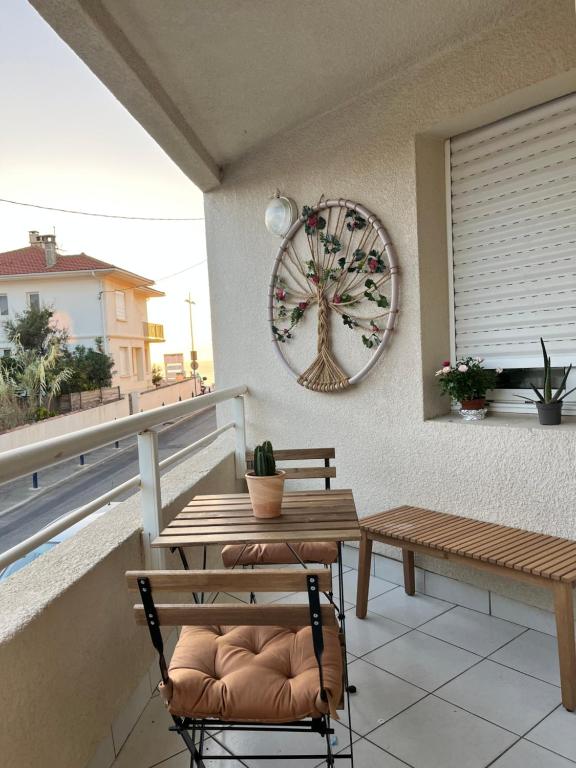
{"points": [[337, 256]]}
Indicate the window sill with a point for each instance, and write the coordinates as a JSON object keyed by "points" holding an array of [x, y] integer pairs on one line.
{"points": [[507, 420]]}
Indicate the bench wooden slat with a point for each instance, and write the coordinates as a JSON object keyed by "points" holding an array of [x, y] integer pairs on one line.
{"points": [[481, 538], [511, 545], [507, 550], [538, 556], [562, 561]]}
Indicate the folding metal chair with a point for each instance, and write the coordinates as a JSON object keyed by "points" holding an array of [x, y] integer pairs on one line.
{"points": [[241, 666]]}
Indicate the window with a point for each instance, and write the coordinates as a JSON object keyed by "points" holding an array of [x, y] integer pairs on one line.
{"points": [[6, 352], [120, 305], [513, 234], [33, 300], [138, 362], [3, 304], [124, 361]]}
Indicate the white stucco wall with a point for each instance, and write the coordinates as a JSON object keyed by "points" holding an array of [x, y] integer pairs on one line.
{"points": [[366, 151], [63, 425], [74, 299]]}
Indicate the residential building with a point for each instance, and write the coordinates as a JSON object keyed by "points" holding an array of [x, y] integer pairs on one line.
{"points": [[91, 299]]}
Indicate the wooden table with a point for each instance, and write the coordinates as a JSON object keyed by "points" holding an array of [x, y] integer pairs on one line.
{"points": [[327, 515]]}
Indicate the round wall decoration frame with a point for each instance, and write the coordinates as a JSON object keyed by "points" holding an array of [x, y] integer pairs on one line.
{"points": [[337, 255]]}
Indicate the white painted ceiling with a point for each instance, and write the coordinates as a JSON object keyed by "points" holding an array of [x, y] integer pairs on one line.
{"points": [[213, 79], [243, 70]]}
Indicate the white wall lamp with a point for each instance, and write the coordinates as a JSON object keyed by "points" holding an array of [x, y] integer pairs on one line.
{"points": [[281, 213]]}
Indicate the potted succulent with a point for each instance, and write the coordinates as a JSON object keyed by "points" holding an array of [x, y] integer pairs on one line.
{"points": [[549, 405], [265, 483], [467, 382]]}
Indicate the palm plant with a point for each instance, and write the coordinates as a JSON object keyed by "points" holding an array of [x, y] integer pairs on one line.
{"points": [[38, 378], [12, 414]]}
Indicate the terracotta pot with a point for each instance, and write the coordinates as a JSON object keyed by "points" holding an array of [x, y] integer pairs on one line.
{"points": [[266, 493], [549, 413], [473, 405]]}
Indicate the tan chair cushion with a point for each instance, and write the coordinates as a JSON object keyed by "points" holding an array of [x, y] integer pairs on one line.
{"points": [[253, 674], [325, 552]]}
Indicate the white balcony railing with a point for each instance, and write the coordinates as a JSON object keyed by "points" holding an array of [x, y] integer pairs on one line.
{"points": [[29, 459]]}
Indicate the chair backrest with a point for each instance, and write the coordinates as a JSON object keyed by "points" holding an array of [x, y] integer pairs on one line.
{"points": [[326, 471], [149, 583]]}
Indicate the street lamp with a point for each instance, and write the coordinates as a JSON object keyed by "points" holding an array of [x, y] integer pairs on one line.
{"points": [[193, 363]]}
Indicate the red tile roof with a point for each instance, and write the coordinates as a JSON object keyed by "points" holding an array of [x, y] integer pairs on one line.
{"points": [[32, 260]]}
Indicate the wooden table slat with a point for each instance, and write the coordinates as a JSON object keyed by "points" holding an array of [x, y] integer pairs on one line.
{"points": [[345, 534], [254, 527]]}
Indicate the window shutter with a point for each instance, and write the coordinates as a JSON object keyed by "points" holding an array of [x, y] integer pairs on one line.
{"points": [[513, 192], [120, 305]]}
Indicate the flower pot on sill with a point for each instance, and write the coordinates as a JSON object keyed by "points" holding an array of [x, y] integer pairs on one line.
{"points": [[549, 413], [473, 405], [266, 493]]}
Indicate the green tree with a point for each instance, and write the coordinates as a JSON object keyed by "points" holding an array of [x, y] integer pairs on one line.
{"points": [[91, 368], [36, 329], [157, 375]]}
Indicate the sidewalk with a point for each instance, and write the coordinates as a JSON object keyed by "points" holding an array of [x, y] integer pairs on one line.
{"points": [[18, 491]]}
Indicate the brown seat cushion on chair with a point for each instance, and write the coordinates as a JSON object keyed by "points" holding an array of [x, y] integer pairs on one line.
{"points": [[325, 552], [253, 674]]}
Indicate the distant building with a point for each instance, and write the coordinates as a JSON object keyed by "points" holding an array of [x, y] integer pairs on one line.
{"points": [[90, 298]]}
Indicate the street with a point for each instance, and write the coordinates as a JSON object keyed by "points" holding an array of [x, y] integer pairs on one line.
{"points": [[91, 482]]}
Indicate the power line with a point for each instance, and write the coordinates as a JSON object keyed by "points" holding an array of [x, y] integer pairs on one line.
{"points": [[174, 274], [100, 215]]}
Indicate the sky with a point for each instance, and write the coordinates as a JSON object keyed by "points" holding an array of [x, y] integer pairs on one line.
{"points": [[66, 142]]}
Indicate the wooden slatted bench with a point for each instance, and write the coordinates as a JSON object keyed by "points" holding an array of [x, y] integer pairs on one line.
{"points": [[547, 561]]}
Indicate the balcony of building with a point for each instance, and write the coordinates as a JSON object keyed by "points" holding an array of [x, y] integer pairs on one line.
{"points": [[392, 105], [153, 332]]}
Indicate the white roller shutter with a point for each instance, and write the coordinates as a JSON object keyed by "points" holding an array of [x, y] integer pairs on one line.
{"points": [[513, 220]]}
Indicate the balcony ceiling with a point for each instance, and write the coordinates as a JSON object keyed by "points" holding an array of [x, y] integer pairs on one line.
{"points": [[210, 80]]}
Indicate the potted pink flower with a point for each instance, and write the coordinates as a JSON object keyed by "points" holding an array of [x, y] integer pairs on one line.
{"points": [[467, 382]]}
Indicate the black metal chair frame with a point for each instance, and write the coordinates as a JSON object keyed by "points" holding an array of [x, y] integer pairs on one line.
{"points": [[188, 727]]}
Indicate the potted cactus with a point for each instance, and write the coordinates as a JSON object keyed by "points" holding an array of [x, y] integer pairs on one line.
{"points": [[265, 483], [549, 405]]}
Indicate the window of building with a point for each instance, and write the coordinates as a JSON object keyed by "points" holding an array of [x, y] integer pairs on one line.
{"points": [[33, 300], [513, 233], [120, 305], [3, 304], [138, 362], [6, 352], [124, 361]]}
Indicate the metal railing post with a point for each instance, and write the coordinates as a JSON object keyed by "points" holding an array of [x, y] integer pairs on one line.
{"points": [[151, 495], [240, 431]]}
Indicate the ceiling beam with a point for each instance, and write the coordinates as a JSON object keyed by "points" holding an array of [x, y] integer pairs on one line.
{"points": [[92, 32]]}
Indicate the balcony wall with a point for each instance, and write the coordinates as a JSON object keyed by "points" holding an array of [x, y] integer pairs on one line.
{"points": [[70, 653], [384, 148]]}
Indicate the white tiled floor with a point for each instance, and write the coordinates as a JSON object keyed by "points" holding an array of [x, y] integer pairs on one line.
{"points": [[439, 686]]}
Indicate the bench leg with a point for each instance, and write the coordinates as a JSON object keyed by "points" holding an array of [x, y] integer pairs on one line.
{"points": [[364, 562], [409, 575], [566, 643]]}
